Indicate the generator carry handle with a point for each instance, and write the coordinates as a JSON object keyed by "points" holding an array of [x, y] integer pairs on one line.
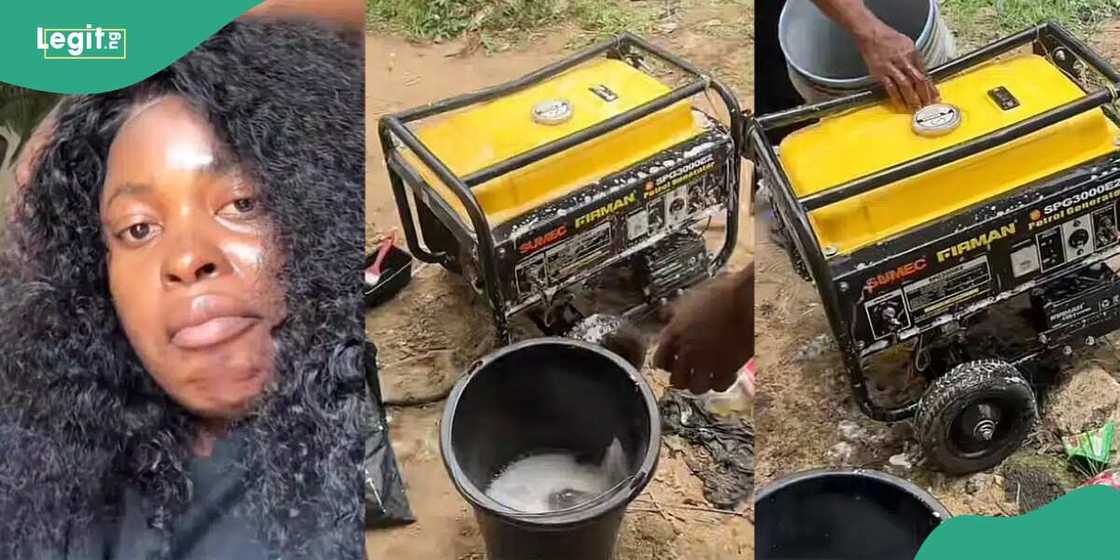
{"points": [[621, 46], [1047, 33], [624, 46]]}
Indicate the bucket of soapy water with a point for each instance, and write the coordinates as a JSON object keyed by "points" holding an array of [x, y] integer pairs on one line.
{"points": [[844, 514], [550, 440]]}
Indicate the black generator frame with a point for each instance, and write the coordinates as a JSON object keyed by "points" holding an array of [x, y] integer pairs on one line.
{"points": [[393, 128], [794, 212]]}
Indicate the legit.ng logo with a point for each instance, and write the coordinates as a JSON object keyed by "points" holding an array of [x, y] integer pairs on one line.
{"points": [[88, 43]]}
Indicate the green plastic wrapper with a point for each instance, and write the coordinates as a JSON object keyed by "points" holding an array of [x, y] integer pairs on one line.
{"points": [[1094, 446]]}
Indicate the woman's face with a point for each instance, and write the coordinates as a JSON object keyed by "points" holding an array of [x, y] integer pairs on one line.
{"points": [[192, 268]]}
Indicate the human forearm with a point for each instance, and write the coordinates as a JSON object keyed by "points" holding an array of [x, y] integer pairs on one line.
{"points": [[345, 13], [29, 153], [742, 288], [852, 15], [744, 300]]}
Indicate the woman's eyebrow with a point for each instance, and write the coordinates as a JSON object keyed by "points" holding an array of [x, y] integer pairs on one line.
{"points": [[129, 189], [221, 164]]}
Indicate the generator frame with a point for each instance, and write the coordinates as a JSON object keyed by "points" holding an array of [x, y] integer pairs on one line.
{"points": [[793, 211], [481, 245]]}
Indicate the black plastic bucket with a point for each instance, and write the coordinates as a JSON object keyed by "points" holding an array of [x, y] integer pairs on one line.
{"points": [[544, 395], [844, 515]]}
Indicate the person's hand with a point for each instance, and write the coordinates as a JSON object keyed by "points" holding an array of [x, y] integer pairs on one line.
{"points": [[893, 60], [710, 335]]}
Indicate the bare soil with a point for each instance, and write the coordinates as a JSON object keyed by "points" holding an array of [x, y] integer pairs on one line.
{"points": [[430, 331], [806, 418]]}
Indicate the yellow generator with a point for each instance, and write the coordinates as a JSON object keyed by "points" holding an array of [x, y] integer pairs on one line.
{"points": [[970, 238], [535, 187]]}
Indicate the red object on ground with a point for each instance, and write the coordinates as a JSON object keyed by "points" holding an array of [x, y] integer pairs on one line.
{"points": [[1110, 477], [373, 273], [748, 374]]}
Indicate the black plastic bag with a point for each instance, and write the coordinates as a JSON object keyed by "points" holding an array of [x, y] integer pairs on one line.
{"points": [[386, 503]]}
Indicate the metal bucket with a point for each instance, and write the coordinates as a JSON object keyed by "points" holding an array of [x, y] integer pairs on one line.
{"points": [[822, 57]]}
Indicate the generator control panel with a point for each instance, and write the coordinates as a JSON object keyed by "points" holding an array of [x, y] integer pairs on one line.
{"points": [[1075, 239], [645, 212], [990, 258]]}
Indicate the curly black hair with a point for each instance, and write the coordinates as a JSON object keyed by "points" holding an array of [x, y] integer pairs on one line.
{"points": [[80, 418]]}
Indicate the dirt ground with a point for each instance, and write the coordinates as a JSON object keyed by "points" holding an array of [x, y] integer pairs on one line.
{"points": [[433, 329], [806, 417]]}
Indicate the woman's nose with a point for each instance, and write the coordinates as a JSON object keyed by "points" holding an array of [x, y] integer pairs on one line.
{"points": [[192, 260]]}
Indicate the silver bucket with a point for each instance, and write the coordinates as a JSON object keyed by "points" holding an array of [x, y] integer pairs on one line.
{"points": [[822, 57]]}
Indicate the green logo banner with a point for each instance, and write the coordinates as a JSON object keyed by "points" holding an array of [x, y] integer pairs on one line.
{"points": [[76, 46], [1080, 524]]}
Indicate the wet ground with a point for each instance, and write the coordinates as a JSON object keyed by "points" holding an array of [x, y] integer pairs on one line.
{"points": [[435, 327]]}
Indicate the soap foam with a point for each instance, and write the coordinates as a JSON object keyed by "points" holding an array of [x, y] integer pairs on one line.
{"points": [[547, 482]]}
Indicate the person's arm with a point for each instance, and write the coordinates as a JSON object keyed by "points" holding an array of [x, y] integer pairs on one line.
{"points": [[891, 57], [29, 153], [710, 336], [349, 14]]}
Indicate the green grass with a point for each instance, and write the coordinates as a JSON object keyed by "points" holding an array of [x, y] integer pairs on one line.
{"points": [[445, 19], [986, 19], [430, 20], [604, 17]]}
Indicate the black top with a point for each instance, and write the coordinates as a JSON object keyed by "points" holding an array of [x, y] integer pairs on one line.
{"points": [[773, 89], [208, 530]]}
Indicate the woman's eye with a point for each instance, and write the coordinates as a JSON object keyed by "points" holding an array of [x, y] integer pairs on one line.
{"points": [[138, 232], [239, 207]]}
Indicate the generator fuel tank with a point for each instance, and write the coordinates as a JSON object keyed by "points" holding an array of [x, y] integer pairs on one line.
{"points": [[863, 141], [482, 135]]}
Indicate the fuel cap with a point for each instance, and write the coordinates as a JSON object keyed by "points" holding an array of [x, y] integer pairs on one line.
{"points": [[936, 119], [553, 111]]}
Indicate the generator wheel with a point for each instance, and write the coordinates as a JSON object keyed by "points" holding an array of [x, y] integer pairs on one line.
{"points": [[975, 416]]}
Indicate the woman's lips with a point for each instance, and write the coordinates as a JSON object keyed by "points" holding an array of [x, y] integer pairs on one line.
{"points": [[212, 332]]}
